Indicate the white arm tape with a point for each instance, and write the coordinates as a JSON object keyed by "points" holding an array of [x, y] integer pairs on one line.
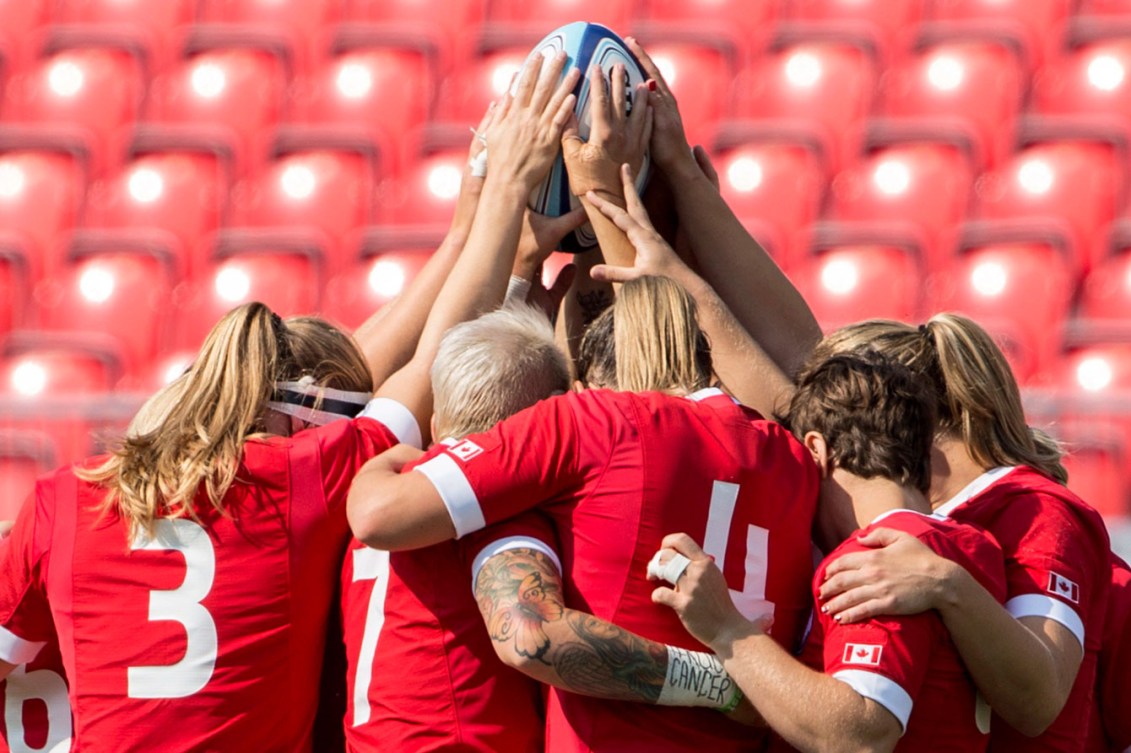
{"points": [[670, 570], [478, 164], [696, 678], [397, 418], [517, 290]]}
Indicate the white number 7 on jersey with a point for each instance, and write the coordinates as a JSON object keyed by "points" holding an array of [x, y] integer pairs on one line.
{"points": [[369, 564], [751, 600]]}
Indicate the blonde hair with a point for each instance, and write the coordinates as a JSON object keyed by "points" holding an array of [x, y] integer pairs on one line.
{"points": [[659, 345], [189, 438], [977, 397], [492, 367]]}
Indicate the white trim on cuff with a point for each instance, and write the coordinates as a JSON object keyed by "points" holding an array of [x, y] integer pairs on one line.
{"points": [[397, 418], [507, 544], [883, 690], [15, 650], [456, 491], [1039, 605]]}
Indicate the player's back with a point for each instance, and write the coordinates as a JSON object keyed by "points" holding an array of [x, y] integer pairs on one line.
{"points": [[1056, 552], [1110, 727], [704, 465], [203, 635], [911, 661]]}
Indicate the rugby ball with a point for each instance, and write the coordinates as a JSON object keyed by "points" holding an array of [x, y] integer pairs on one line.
{"points": [[585, 45]]}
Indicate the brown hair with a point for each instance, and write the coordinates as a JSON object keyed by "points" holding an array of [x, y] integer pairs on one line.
{"points": [[597, 355], [875, 415], [658, 343], [977, 398], [190, 438]]}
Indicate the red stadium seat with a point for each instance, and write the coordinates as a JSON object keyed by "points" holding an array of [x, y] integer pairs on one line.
{"points": [[700, 77], [303, 25], [156, 26], [820, 90], [923, 189], [972, 87], [182, 194], [40, 197], [845, 284], [94, 93], [371, 283], [1039, 24], [779, 185], [1118, 9], [1024, 287], [893, 24], [15, 286], [539, 18], [1070, 185], [287, 282], [1094, 389], [746, 25], [51, 391], [427, 193], [24, 456], [116, 302], [378, 95], [1093, 80], [449, 25], [466, 93], [236, 95], [20, 20], [326, 190]]}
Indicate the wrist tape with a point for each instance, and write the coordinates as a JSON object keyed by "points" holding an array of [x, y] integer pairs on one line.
{"points": [[696, 678]]}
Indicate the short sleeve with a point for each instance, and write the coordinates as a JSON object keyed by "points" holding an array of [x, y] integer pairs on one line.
{"points": [[882, 659], [522, 462], [25, 620], [531, 530], [1049, 561]]}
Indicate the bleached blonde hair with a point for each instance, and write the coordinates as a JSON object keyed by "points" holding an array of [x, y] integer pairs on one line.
{"points": [[189, 438], [492, 367]]}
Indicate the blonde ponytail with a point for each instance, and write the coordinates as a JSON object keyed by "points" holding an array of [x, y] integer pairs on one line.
{"points": [[658, 343]]}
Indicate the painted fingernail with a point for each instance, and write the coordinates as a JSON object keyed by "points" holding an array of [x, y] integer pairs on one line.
{"points": [[651, 84]]}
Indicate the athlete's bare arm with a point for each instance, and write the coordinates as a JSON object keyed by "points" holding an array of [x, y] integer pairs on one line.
{"points": [[746, 278], [6, 669], [395, 511], [811, 710], [520, 596]]}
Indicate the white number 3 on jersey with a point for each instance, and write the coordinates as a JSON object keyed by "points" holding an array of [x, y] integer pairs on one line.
{"points": [[192, 673]]}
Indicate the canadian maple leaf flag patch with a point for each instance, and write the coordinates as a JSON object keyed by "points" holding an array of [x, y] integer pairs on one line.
{"points": [[1064, 588], [465, 450], [863, 653]]}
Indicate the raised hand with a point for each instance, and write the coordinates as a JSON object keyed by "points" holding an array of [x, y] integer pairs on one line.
{"points": [[653, 254], [670, 149], [615, 136], [526, 127]]}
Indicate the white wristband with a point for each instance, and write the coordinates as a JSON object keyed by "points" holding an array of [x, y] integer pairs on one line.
{"points": [[696, 678], [517, 290]]}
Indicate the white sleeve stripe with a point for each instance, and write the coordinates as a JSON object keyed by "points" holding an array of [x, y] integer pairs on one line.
{"points": [[397, 418], [456, 491], [15, 650], [510, 543], [1039, 605], [883, 690]]}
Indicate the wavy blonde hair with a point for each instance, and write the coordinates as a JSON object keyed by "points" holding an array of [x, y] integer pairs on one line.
{"points": [[189, 437], [659, 345], [977, 397]]}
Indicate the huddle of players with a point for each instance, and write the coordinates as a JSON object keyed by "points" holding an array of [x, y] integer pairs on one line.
{"points": [[522, 541]]}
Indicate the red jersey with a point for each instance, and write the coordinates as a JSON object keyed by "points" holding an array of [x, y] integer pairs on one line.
{"points": [[36, 713], [618, 471], [202, 636], [908, 664], [422, 673], [1056, 565], [1110, 730]]}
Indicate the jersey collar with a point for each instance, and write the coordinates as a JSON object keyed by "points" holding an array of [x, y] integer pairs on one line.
{"points": [[973, 489], [708, 392]]}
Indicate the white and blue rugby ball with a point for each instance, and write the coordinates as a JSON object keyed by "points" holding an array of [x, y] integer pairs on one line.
{"points": [[585, 44]]}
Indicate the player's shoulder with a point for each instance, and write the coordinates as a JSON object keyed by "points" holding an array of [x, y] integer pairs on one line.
{"points": [[1030, 499]]}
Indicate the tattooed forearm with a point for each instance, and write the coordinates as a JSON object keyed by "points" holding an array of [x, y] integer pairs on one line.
{"points": [[520, 596]]}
